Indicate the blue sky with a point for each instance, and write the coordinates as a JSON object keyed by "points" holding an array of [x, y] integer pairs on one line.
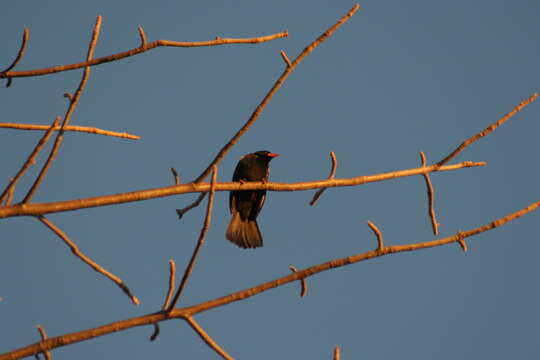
{"points": [[398, 78]]}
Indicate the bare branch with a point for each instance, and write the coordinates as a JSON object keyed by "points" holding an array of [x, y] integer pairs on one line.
{"points": [[86, 129], [258, 111], [431, 197], [337, 353], [79, 336], [207, 339], [140, 50], [285, 58], [380, 244], [73, 103], [176, 176], [18, 58], [330, 176], [488, 130], [200, 243], [43, 335], [303, 282], [172, 281], [29, 162], [181, 212], [75, 250], [142, 36], [69, 205]]}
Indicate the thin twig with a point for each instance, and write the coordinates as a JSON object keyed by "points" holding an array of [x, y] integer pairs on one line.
{"points": [[285, 58], [19, 56], [431, 197], [176, 176], [86, 129], [29, 162], [330, 177], [181, 212], [140, 50], [207, 339], [172, 281], [337, 353], [43, 334], [258, 111], [303, 282], [73, 103], [380, 243], [79, 336], [188, 188], [156, 332], [75, 250], [488, 130], [142, 36], [200, 243]]}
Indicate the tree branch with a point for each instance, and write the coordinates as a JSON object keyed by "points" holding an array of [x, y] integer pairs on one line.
{"points": [[43, 334], [488, 130], [29, 162], [431, 197], [277, 85], [74, 100], [78, 253], [84, 203], [200, 243], [139, 50], [86, 129], [330, 177], [79, 336], [207, 339], [19, 56]]}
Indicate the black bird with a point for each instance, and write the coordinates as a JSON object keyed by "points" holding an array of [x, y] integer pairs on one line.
{"points": [[246, 205]]}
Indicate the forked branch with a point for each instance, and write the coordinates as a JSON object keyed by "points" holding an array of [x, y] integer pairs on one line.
{"points": [[139, 50]]}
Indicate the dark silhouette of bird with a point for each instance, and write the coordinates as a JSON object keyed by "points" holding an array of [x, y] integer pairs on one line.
{"points": [[246, 205]]}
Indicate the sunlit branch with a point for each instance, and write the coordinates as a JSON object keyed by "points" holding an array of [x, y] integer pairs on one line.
{"points": [[69, 205]]}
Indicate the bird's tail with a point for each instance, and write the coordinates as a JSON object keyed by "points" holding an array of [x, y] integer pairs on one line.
{"points": [[245, 234]]}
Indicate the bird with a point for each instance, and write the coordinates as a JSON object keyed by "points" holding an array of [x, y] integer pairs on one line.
{"points": [[243, 230]]}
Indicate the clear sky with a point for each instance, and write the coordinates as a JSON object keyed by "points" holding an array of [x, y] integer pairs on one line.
{"points": [[400, 77]]}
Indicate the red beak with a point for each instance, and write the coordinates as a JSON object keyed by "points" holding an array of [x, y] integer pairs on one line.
{"points": [[272, 155]]}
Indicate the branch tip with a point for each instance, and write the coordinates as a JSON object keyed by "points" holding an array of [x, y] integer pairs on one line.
{"points": [[142, 35], [380, 244], [488, 130], [78, 253], [330, 177], [337, 353], [207, 339], [285, 58], [176, 181], [20, 55], [43, 334]]}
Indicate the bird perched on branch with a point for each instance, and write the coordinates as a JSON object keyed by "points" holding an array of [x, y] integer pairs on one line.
{"points": [[246, 205]]}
